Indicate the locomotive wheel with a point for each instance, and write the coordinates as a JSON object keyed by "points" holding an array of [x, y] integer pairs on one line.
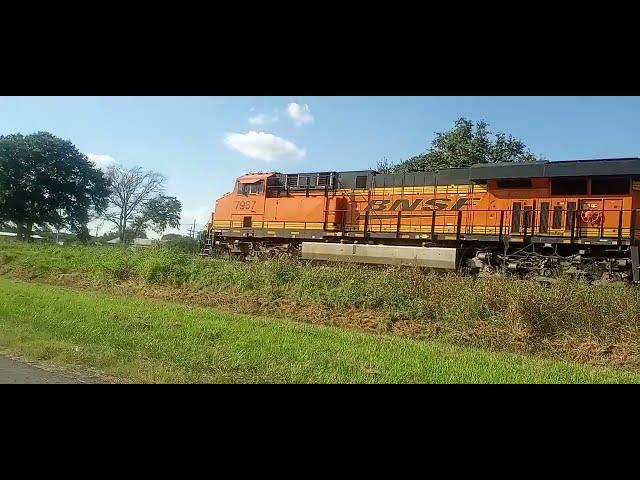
{"points": [[293, 251], [612, 277], [462, 267]]}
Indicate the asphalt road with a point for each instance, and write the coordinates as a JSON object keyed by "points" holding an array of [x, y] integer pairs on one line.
{"points": [[13, 371]]}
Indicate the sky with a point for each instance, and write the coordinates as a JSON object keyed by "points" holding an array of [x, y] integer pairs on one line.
{"points": [[202, 144]]}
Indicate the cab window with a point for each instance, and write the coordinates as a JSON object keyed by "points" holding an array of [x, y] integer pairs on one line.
{"points": [[250, 188]]}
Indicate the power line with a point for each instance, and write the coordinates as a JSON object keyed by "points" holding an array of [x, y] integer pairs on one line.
{"points": [[192, 230]]}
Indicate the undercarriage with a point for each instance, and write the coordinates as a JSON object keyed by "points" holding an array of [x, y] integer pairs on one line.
{"points": [[549, 262], [542, 262]]}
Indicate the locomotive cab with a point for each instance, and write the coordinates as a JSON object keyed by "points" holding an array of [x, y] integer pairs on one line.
{"points": [[242, 210]]}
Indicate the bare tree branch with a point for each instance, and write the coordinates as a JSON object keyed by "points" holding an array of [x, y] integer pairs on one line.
{"points": [[131, 189]]}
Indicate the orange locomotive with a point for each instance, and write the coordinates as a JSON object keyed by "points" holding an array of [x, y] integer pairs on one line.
{"points": [[538, 217]]}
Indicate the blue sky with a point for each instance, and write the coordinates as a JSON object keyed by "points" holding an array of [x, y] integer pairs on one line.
{"points": [[203, 143]]}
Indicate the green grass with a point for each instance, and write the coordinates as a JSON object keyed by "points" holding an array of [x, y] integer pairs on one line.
{"points": [[571, 320], [141, 340]]}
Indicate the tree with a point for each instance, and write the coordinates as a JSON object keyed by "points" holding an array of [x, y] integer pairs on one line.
{"points": [[181, 243], [169, 237], [467, 143], [385, 166], [45, 181], [131, 191], [159, 213], [83, 235], [7, 227], [129, 235]]}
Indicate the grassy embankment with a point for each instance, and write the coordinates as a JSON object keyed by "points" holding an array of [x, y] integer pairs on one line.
{"points": [[142, 340], [571, 320]]}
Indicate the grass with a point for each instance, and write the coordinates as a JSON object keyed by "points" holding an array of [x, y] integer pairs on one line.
{"points": [[139, 340], [570, 320]]}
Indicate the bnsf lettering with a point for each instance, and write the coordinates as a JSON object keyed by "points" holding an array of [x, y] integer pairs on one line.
{"points": [[378, 205], [462, 201], [436, 204], [404, 205], [431, 204]]}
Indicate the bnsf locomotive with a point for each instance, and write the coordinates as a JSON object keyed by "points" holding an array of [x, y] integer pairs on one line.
{"points": [[540, 218]]}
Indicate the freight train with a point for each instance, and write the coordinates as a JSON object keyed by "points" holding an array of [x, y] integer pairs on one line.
{"points": [[532, 218]]}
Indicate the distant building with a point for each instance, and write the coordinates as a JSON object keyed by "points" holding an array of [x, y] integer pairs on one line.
{"points": [[145, 242], [12, 234], [137, 242]]}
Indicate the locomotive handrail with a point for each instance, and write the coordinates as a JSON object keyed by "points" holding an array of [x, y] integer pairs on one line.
{"points": [[567, 223], [532, 222]]}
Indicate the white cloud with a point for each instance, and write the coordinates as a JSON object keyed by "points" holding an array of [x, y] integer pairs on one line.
{"points": [[101, 161], [300, 113], [262, 119], [263, 146]]}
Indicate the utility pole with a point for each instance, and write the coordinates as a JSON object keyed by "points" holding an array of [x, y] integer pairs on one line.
{"points": [[99, 225], [58, 228], [192, 230]]}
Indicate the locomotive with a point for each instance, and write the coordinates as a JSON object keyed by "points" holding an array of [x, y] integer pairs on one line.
{"points": [[540, 218]]}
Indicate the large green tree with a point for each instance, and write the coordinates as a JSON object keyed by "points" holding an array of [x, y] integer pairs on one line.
{"points": [[466, 143], [46, 181]]}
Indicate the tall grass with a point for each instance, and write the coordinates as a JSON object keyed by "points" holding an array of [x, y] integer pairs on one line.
{"points": [[570, 319], [149, 342]]}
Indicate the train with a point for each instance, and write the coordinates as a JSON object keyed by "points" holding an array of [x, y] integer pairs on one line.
{"points": [[540, 219]]}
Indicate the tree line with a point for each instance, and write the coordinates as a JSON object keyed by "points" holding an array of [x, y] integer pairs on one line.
{"points": [[467, 143], [46, 182]]}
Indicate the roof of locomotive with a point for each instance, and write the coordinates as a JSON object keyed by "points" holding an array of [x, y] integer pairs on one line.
{"points": [[565, 168], [343, 179], [481, 172], [254, 177]]}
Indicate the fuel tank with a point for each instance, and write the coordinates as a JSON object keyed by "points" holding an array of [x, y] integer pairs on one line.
{"points": [[428, 257]]}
